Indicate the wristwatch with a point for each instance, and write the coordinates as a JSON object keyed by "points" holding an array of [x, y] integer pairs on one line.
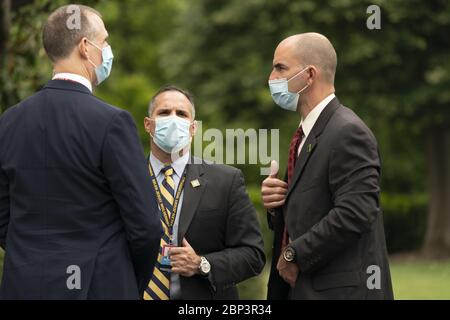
{"points": [[289, 254], [204, 267]]}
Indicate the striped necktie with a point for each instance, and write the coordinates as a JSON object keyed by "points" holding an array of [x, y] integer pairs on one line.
{"points": [[159, 285]]}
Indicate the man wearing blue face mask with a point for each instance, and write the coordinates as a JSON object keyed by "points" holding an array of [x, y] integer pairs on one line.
{"points": [[329, 238], [212, 238], [78, 215]]}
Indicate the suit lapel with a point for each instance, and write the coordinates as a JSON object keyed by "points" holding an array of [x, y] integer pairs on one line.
{"points": [[308, 148], [191, 196], [312, 141]]}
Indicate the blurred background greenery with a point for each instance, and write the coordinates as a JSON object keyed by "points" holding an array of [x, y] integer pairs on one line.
{"points": [[396, 78]]}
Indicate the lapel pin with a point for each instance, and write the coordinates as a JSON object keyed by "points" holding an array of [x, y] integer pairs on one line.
{"points": [[195, 183], [309, 148]]}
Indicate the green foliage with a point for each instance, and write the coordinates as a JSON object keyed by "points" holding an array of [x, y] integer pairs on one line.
{"points": [[22, 71], [223, 50], [136, 33], [396, 78], [404, 220], [25, 67]]}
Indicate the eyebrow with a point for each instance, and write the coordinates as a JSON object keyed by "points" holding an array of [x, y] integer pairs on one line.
{"points": [[278, 65], [169, 109], [164, 109]]}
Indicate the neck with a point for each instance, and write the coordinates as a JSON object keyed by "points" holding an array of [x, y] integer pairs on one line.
{"points": [[312, 101], [68, 67]]}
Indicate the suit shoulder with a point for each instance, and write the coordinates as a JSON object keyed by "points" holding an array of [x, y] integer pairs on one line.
{"points": [[9, 112], [98, 109], [107, 107], [225, 169], [12, 112], [347, 116], [219, 170], [348, 122]]}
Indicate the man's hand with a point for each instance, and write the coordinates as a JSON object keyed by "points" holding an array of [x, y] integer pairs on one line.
{"points": [[273, 190], [287, 270], [184, 260]]}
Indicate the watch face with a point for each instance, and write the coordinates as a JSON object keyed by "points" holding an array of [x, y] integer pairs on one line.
{"points": [[289, 255], [205, 267]]}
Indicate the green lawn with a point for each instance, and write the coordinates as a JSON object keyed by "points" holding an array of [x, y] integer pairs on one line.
{"points": [[412, 280], [421, 280]]}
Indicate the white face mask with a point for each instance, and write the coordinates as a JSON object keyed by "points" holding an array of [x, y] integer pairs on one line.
{"points": [[281, 95], [104, 70], [172, 133]]}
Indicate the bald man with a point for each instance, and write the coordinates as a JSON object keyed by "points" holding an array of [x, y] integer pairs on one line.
{"points": [[329, 238]]}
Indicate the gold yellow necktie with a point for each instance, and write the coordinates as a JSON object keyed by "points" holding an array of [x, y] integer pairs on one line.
{"points": [[159, 285]]}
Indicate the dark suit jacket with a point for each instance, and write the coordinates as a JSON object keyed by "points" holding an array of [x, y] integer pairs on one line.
{"points": [[333, 215], [219, 221], [74, 190]]}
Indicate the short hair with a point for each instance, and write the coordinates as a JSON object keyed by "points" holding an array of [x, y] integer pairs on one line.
{"points": [[168, 88], [59, 40], [315, 49]]}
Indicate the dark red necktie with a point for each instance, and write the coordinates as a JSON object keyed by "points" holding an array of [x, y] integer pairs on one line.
{"points": [[293, 151]]}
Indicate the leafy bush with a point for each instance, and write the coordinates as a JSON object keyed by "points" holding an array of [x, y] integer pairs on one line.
{"points": [[404, 220]]}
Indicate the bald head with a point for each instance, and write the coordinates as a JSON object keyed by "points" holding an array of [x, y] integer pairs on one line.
{"points": [[313, 49]]}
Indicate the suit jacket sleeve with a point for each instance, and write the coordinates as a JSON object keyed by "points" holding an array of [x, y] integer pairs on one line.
{"points": [[354, 172], [244, 254], [4, 207], [125, 168]]}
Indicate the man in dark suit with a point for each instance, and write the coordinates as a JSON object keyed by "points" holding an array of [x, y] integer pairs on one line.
{"points": [[78, 218], [329, 235], [212, 237]]}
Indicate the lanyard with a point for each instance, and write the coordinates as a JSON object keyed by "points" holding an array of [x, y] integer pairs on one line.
{"points": [[168, 220]]}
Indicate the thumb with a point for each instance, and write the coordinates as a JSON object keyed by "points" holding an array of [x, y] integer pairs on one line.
{"points": [[185, 243], [274, 169]]}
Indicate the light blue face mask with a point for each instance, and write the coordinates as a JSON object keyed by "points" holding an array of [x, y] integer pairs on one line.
{"points": [[104, 70], [172, 133], [279, 89]]}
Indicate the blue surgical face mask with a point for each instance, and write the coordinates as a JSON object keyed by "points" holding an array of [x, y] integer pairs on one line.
{"points": [[279, 89], [104, 70], [172, 133]]}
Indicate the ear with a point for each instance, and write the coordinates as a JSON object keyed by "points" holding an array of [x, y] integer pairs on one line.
{"points": [[82, 48], [194, 128], [312, 75], [149, 125]]}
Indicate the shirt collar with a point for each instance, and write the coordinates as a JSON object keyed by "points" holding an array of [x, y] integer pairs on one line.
{"points": [[73, 77], [308, 123], [178, 165]]}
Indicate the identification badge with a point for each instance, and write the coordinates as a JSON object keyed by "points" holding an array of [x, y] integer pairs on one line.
{"points": [[165, 261]]}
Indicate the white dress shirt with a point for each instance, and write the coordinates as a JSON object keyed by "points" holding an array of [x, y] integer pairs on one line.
{"points": [[178, 167], [308, 123], [73, 77]]}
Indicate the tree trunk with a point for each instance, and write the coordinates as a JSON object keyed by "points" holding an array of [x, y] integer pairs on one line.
{"points": [[437, 238], [5, 23]]}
